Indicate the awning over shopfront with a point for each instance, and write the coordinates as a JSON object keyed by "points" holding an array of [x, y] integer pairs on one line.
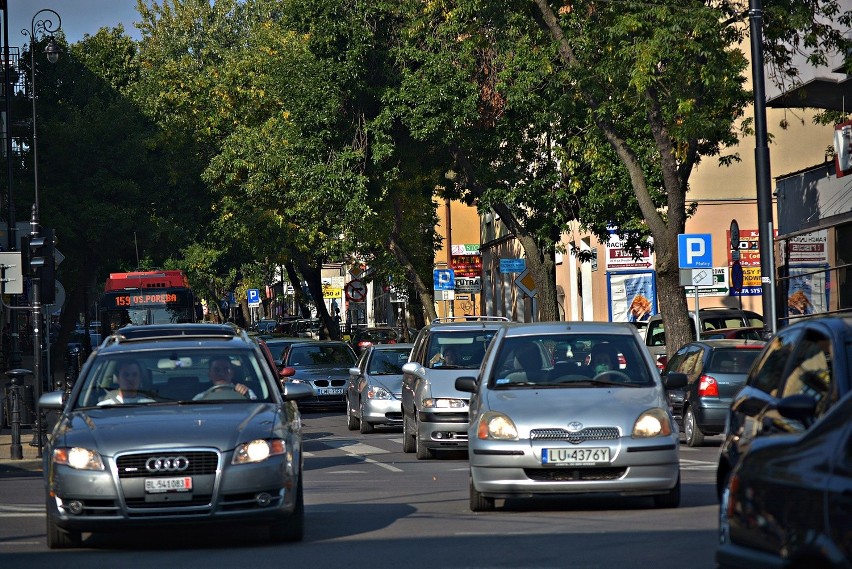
{"points": [[819, 93]]}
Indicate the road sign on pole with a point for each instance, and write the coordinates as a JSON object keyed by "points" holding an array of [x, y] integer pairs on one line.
{"points": [[695, 251], [355, 291], [526, 283], [444, 279], [253, 297]]}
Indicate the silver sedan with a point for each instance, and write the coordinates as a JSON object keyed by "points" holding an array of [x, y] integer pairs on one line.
{"points": [[570, 408], [374, 389]]}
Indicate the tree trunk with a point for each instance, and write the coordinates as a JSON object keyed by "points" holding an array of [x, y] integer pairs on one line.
{"points": [[297, 289], [313, 275], [424, 291]]}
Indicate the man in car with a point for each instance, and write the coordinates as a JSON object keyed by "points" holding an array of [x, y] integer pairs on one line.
{"points": [[221, 374]]}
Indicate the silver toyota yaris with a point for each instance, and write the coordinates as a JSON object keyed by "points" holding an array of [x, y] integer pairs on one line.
{"points": [[570, 408]]}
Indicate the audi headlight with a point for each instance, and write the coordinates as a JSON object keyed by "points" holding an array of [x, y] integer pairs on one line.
{"points": [[496, 426], [257, 450], [652, 423], [376, 392], [441, 403], [78, 457]]}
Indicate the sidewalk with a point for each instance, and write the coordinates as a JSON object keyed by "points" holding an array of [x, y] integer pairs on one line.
{"points": [[30, 461]]}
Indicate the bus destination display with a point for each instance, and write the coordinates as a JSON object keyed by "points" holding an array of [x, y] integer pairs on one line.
{"points": [[127, 300]]}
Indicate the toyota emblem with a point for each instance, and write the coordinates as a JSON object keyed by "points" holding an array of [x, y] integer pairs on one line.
{"points": [[575, 426], [167, 464]]}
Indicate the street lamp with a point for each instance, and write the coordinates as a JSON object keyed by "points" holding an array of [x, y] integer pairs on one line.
{"points": [[39, 29]]}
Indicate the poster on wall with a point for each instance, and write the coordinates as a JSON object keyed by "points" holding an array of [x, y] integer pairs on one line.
{"points": [[632, 296], [808, 289]]}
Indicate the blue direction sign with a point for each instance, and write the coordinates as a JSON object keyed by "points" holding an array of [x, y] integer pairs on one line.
{"points": [[513, 265], [694, 251], [253, 295], [445, 279]]}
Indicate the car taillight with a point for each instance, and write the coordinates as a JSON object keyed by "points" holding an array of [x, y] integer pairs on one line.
{"points": [[364, 344], [707, 386]]}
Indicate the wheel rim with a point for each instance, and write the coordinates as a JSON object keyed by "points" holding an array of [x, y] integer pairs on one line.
{"points": [[689, 424]]}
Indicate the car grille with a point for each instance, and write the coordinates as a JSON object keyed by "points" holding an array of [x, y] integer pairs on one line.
{"points": [[574, 474], [200, 462], [588, 434], [328, 382]]}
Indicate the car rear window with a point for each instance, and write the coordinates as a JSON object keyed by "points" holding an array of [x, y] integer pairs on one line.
{"points": [[734, 360], [320, 355]]}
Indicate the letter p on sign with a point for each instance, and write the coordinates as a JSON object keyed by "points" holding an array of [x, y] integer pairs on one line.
{"points": [[694, 251]]}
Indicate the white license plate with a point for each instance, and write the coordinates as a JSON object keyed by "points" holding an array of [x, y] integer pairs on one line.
{"points": [[575, 456], [329, 391], [178, 484]]}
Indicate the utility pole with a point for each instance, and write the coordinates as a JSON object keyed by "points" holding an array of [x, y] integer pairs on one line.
{"points": [[764, 180]]}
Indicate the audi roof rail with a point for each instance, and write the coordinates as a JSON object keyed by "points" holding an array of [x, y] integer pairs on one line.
{"points": [[173, 331], [445, 319]]}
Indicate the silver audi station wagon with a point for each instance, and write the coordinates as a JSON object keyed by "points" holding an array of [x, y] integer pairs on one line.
{"points": [[175, 424], [570, 408]]}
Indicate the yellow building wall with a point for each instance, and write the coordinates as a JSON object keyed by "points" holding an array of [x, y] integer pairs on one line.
{"points": [[458, 224]]}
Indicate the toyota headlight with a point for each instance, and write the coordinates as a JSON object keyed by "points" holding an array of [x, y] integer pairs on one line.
{"points": [[444, 403], [258, 450], [78, 458], [496, 426], [376, 392], [652, 423]]}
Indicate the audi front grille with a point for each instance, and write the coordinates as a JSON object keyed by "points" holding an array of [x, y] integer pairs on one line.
{"points": [[167, 463]]}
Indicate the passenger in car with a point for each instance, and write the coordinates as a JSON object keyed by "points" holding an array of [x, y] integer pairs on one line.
{"points": [[528, 358], [129, 379]]}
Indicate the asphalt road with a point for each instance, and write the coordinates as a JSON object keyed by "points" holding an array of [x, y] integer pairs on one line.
{"points": [[369, 504]]}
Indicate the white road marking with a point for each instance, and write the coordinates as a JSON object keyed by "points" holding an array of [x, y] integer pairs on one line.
{"points": [[354, 447], [22, 511], [686, 464], [359, 450]]}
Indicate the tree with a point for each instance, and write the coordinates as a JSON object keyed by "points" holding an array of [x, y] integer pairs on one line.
{"points": [[101, 184], [630, 97]]}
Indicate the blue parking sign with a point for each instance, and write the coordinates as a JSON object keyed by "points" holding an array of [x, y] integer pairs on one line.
{"points": [[253, 296], [694, 251], [444, 279]]}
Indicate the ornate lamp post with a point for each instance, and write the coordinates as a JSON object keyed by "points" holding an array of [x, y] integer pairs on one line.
{"points": [[39, 29]]}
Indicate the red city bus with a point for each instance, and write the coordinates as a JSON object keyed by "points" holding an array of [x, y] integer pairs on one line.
{"points": [[146, 297]]}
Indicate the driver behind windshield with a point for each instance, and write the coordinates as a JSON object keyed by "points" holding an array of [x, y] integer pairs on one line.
{"points": [[603, 358], [221, 373]]}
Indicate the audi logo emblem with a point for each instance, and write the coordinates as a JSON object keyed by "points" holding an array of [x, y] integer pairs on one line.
{"points": [[167, 464]]}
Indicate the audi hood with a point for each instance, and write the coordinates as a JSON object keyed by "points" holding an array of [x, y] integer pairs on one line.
{"points": [[118, 429]]}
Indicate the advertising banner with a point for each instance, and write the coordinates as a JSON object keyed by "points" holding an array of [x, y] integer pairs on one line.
{"points": [[617, 257], [632, 296], [808, 290]]}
